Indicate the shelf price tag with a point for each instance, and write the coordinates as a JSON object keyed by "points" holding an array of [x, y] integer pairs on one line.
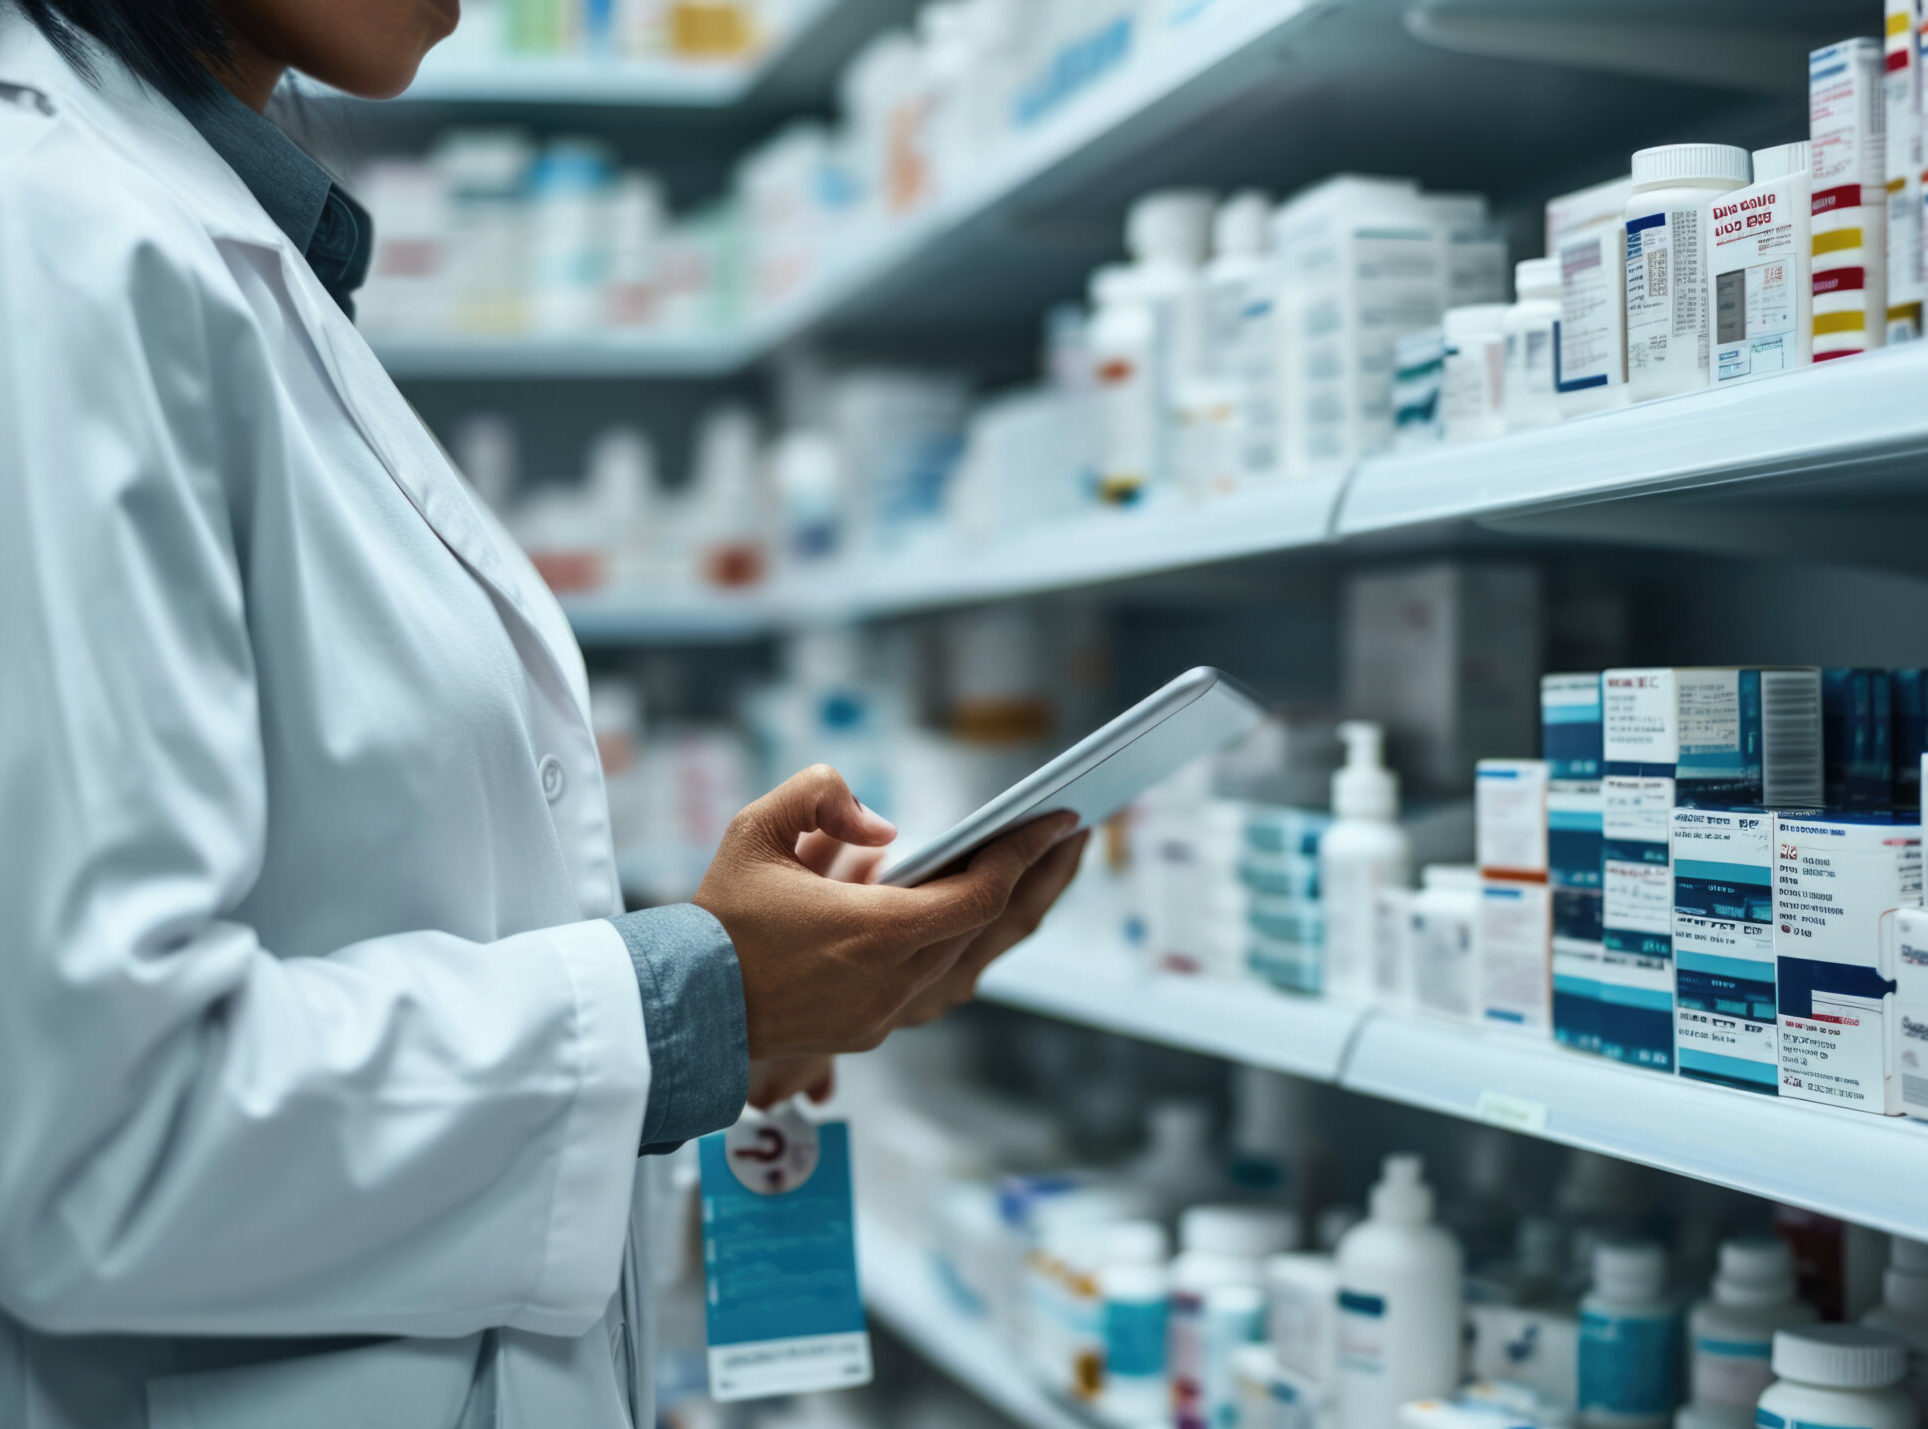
{"points": [[1513, 1113], [784, 1310]]}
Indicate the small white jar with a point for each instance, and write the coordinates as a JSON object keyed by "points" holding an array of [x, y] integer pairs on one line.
{"points": [[1666, 256], [1844, 1376], [1529, 398], [1472, 390], [1730, 1334]]}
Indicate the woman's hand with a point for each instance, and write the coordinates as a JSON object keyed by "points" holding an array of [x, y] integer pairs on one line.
{"points": [[832, 967]]}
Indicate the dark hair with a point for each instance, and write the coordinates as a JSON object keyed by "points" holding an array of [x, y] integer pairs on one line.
{"points": [[170, 43]]}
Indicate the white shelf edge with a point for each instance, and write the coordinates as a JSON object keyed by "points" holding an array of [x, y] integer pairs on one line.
{"points": [[1831, 415], [1863, 1168], [1089, 550], [644, 354], [1077, 969], [901, 1290]]}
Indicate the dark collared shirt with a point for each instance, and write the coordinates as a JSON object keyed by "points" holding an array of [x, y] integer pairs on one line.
{"points": [[333, 232]]}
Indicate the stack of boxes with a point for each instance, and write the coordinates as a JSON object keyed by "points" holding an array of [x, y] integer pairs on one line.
{"points": [[1572, 739], [1515, 921], [1279, 870]]}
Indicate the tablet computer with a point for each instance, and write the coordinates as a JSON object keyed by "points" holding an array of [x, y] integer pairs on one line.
{"points": [[1199, 713]]}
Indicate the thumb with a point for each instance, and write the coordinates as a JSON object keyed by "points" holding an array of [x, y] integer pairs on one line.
{"points": [[817, 800]]}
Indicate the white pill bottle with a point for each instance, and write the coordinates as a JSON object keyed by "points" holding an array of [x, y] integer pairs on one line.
{"points": [[1730, 1334], [1400, 1314], [1667, 225], [1843, 1376]]}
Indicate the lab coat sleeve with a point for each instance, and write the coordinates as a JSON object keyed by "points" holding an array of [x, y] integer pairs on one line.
{"points": [[415, 1135]]}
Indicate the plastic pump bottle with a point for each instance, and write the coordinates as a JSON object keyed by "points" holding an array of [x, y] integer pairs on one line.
{"points": [[1667, 222], [1730, 1334], [1629, 1340], [1363, 851], [1843, 1376], [1903, 1311], [1399, 1301]]}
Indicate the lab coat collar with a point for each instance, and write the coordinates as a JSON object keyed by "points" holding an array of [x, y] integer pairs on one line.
{"points": [[141, 123]]}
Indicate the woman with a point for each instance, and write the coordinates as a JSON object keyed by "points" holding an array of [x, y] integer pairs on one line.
{"points": [[326, 1054]]}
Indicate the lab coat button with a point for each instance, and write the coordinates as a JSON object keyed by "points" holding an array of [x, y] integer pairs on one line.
{"points": [[554, 781]]}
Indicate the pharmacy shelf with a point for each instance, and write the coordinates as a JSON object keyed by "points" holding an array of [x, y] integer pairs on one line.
{"points": [[639, 355], [1193, 71], [902, 1291], [455, 76], [1095, 549], [1079, 969], [669, 617], [1836, 441], [1867, 1169]]}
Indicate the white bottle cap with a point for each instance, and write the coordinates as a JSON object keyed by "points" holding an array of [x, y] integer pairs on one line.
{"points": [[1629, 1270], [1237, 1232], [1690, 163], [1363, 788], [1472, 322], [1114, 283], [1402, 1195], [1243, 224], [1754, 1271], [1781, 161], [1239, 1300], [1134, 1243], [1455, 877], [1172, 226], [1839, 1356], [1536, 278], [1126, 1281]]}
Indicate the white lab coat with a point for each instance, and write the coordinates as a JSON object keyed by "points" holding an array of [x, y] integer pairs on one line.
{"points": [[321, 1075]]}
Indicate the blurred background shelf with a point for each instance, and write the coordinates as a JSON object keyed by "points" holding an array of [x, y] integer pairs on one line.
{"points": [[464, 357], [901, 1289], [1079, 968], [1863, 1168]]}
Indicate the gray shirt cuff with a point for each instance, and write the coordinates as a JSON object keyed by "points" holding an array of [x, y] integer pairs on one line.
{"points": [[693, 1018]]}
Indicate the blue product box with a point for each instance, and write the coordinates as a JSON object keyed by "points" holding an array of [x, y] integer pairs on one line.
{"points": [[1857, 739], [1908, 723], [1723, 941]]}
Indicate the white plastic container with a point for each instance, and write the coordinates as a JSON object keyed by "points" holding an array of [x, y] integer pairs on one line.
{"points": [[1849, 186], [1364, 851], [1233, 1320], [1418, 380], [1126, 383], [1241, 333], [1842, 1376], [1302, 1313], [1472, 394], [1730, 1334], [1445, 965], [1169, 235], [1399, 1302], [1666, 256], [1760, 270], [1220, 1245], [1136, 1309], [1586, 234], [1629, 1340], [1903, 1311], [1528, 327]]}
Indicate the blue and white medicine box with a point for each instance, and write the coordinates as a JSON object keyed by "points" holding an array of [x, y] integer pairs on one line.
{"points": [[1724, 1012], [1720, 737], [1572, 738], [784, 1310], [1909, 725], [1857, 738], [1836, 877]]}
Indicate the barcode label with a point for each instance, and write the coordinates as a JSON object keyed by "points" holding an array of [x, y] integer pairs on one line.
{"points": [[1791, 739]]}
